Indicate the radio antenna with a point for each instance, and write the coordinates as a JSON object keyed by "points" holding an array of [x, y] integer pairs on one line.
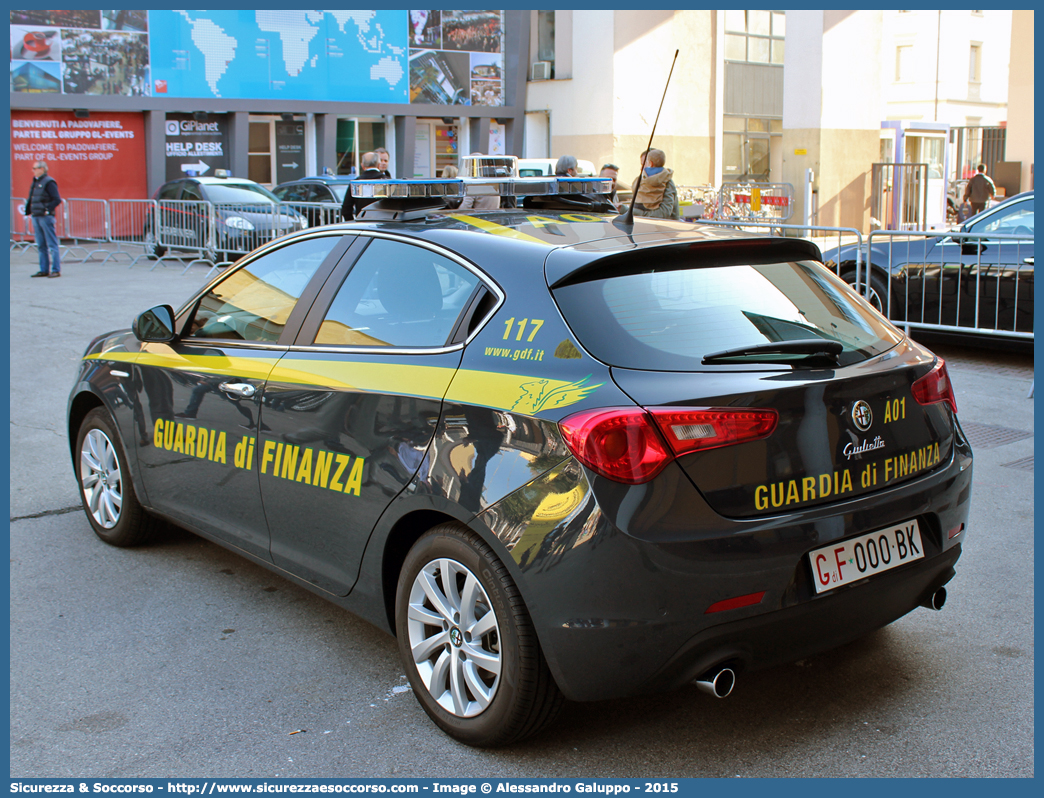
{"points": [[628, 217]]}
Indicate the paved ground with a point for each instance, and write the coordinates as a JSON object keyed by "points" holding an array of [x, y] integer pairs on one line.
{"points": [[181, 659]]}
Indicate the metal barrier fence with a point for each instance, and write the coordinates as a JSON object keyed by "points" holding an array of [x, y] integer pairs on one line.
{"points": [[978, 283], [128, 222], [86, 220], [217, 232], [317, 213], [23, 235], [756, 202], [21, 226], [181, 226], [953, 282], [238, 228]]}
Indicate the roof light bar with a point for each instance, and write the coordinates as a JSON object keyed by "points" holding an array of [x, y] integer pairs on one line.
{"points": [[511, 187], [404, 189]]}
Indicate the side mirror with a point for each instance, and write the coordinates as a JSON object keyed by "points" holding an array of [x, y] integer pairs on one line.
{"points": [[155, 325], [972, 248]]}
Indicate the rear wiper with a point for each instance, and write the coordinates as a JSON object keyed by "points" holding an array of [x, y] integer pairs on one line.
{"points": [[785, 350]]}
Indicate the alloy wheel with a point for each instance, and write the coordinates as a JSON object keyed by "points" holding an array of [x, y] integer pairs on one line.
{"points": [[454, 637], [101, 479]]}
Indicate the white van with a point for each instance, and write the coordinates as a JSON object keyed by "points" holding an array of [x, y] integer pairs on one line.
{"points": [[541, 167]]}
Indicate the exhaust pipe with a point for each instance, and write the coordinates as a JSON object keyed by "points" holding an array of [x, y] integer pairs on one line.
{"points": [[718, 682], [936, 600]]}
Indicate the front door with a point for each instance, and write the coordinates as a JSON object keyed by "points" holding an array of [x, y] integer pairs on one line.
{"points": [[202, 394]]}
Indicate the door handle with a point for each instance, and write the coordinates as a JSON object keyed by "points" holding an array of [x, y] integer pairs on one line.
{"points": [[244, 390]]}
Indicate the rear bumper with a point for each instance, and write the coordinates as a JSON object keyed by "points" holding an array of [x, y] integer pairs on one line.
{"points": [[774, 638], [618, 590]]}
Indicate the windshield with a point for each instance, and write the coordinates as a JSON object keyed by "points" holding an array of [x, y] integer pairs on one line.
{"points": [[670, 320], [1014, 220], [239, 192], [339, 191]]}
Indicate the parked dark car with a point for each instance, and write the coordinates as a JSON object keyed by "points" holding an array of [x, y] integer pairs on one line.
{"points": [[965, 279], [223, 217], [557, 454], [318, 198]]}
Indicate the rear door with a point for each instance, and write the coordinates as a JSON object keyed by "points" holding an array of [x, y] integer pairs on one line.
{"points": [[351, 409]]}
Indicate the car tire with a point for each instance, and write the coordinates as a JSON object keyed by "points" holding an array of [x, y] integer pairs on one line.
{"points": [[106, 491], [490, 689], [153, 251], [878, 290]]}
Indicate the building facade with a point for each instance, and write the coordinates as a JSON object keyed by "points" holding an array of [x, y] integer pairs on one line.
{"points": [[121, 101], [808, 98]]}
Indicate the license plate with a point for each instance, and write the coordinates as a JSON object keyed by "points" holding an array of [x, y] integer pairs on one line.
{"points": [[849, 561]]}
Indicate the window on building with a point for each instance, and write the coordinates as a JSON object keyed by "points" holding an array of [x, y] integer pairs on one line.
{"points": [[259, 164], [747, 145], [546, 37], [904, 63], [755, 36], [975, 64], [354, 137]]}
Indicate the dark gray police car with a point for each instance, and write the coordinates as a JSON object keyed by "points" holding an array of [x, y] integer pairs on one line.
{"points": [[556, 454]]}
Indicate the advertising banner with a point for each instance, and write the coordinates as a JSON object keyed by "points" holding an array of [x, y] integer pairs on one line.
{"points": [[290, 142], [384, 56], [196, 147], [100, 157]]}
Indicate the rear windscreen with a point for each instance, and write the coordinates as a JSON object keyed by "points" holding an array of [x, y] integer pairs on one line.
{"points": [[671, 320]]}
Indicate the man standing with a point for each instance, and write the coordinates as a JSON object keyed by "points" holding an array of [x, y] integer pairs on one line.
{"points": [[383, 157], [657, 195], [980, 190], [41, 204], [351, 206]]}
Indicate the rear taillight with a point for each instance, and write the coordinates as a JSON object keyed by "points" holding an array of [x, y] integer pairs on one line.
{"points": [[620, 443], [633, 445], [935, 387], [691, 430]]}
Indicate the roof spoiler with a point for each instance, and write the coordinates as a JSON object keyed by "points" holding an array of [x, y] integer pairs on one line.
{"points": [[686, 255]]}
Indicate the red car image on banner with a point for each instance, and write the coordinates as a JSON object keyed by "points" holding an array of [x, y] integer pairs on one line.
{"points": [[100, 157]]}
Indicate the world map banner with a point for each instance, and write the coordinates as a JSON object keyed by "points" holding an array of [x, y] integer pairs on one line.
{"points": [[436, 57]]}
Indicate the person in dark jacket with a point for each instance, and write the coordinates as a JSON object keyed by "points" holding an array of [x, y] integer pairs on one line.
{"points": [[383, 157], [351, 206], [41, 204], [980, 190]]}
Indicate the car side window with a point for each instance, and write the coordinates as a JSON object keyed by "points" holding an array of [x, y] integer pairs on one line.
{"points": [[320, 194], [170, 192], [1018, 220], [191, 192], [254, 302], [399, 295], [293, 193]]}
